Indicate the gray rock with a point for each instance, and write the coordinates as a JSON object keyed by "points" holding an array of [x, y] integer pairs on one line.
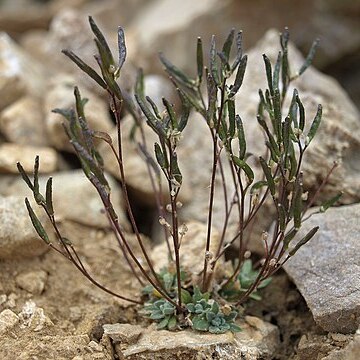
{"points": [[10, 154], [258, 340], [32, 281], [61, 96], [74, 197], [338, 135], [19, 73], [326, 270], [17, 236], [23, 122]]}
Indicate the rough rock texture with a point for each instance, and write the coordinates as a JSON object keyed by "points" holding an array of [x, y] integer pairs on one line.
{"points": [[32, 281], [23, 122], [61, 96], [185, 21], [338, 135], [8, 319], [17, 237], [258, 340], [193, 245], [74, 197], [19, 73], [350, 352], [10, 154], [326, 270]]}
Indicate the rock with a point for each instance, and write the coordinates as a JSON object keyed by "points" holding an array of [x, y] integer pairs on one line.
{"points": [[326, 269], [23, 122], [350, 352], [126, 334], [74, 197], [32, 281], [33, 317], [18, 238], [192, 253], [61, 96], [10, 154], [339, 132], [8, 320], [19, 73], [258, 340]]}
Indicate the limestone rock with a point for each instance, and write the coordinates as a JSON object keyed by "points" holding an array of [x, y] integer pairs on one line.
{"points": [[23, 122], [74, 197], [61, 96], [258, 340], [33, 281], [193, 245], [33, 317], [19, 73], [17, 236], [10, 154], [123, 333], [338, 135], [8, 319], [326, 269]]}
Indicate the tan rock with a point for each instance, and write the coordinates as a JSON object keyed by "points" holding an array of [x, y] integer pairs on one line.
{"points": [[74, 197], [10, 154], [19, 73], [33, 281], [61, 96], [192, 250], [18, 238], [258, 341], [123, 333], [8, 320], [23, 122]]}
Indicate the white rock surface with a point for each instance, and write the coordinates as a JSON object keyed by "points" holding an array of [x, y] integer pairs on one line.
{"points": [[19, 73]]}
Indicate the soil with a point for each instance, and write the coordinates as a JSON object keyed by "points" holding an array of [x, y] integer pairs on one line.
{"points": [[75, 307]]}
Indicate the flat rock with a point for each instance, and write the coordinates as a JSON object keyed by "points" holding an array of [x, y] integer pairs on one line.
{"points": [[33, 281], [8, 319], [61, 96], [326, 270], [19, 73], [74, 197], [258, 340], [11, 153], [23, 122], [17, 236]]}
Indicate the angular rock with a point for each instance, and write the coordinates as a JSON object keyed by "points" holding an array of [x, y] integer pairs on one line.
{"points": [[326, 269], [19, 73], [258, 340], [61, 96], [23, 122], [349, 352], [123, 333], [33, 317], [338, 135], [33, 281], [17, 236], [10, 154], [8, 319], [74, 197]]}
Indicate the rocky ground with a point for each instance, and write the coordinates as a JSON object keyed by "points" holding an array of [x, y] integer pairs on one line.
{"points": [[48, 310]]}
